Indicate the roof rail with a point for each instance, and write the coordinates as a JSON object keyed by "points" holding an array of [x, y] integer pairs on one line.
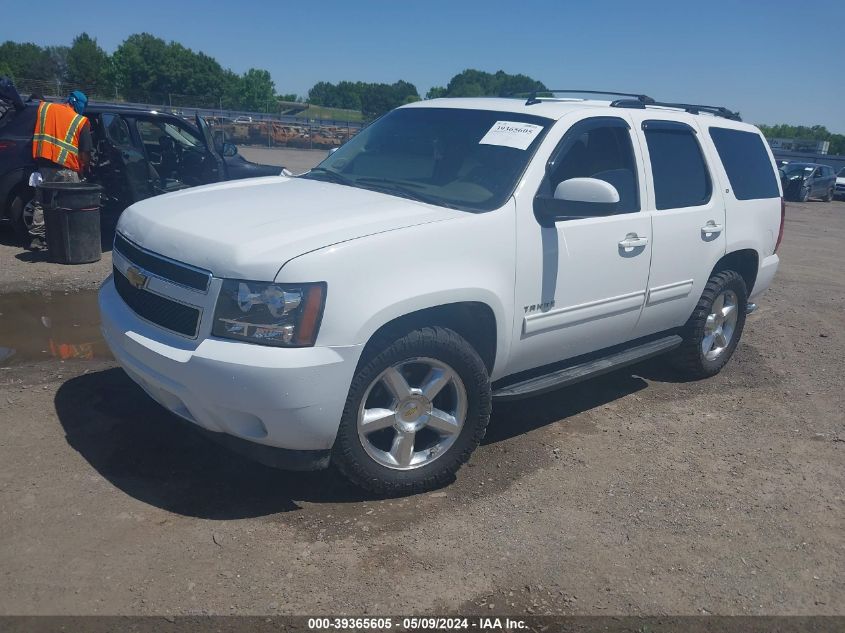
{"points": [[638, 101], [686, 107], [532, 96]]}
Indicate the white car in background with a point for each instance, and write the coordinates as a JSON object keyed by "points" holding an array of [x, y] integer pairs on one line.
{"points": [[454, 252]]}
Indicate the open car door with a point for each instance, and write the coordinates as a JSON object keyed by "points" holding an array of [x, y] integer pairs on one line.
{"points": [[121, 167], [215, 167]]}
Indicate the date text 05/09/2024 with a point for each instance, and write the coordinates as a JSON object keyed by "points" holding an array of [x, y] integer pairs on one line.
{"points": [[416, 624]]}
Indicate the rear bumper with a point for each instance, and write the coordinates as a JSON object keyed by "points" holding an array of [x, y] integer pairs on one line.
{"points": [[290, 399], [767, 271]]}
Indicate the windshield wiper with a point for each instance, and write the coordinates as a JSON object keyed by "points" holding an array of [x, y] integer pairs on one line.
{"points": [[333, 175], [386, 181], [403, 190]]}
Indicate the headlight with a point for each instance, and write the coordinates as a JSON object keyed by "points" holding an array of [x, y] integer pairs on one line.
{"points": [[286, 315]]}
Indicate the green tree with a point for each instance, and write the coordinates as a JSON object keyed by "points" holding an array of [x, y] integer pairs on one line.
{"points": [[257, 90], [815, 133], [141, 66], [89, 66], [6, 70], [436, 92], [478, 83], [28, 61], [373, 99]]}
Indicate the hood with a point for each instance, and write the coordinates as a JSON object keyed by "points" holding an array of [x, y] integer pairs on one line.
{"points": [[840, 180], [248, 229]]}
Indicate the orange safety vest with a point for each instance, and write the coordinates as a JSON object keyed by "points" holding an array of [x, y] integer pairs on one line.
{"points": [[56, 136]]}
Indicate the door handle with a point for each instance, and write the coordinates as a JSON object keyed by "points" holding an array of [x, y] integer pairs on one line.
{"points": [[632, 240], [711, 228]]}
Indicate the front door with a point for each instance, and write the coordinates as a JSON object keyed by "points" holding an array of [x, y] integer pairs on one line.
{"points": [[688, 218], [122, 167], [581, 284]]}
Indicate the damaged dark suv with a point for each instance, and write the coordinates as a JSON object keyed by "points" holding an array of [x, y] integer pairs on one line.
{"points": [[137, 154]]}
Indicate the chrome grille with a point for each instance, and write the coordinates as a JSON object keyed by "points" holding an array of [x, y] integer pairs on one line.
{"points": [[156, 309], [164, 267]]}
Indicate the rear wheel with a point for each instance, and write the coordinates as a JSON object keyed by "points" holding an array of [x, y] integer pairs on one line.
{"points": [[713, 331], [829, 196], [20, 213], [415, 412]]}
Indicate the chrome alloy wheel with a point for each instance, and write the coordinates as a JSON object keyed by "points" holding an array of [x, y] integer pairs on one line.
{"points": [[720, 325], [412, 413]]}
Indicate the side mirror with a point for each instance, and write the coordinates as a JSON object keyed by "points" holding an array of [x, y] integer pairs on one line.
{"points": [[577, 198], [229, 150]]}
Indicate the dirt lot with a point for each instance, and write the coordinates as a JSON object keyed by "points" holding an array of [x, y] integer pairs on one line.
{"points": [[630, 494], [296, 160]]}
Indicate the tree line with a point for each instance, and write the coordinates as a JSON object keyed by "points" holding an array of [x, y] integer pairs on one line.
{"points": [[146, 68], [142, 68], [814, 133]]}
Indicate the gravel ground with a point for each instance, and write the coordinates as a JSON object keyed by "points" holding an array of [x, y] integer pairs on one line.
{"points": [[629, 494]]}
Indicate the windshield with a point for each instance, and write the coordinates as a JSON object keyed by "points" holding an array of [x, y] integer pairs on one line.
{"points": [[466, 159], [794, 169], [841, 173]]}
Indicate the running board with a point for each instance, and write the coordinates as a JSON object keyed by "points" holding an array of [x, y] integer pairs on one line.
{"points": [[587, 369]]}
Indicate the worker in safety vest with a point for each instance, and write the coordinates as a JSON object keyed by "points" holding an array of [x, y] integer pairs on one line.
{"points": [[61, 147]]}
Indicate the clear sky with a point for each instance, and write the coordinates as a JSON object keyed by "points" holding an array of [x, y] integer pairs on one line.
{"points": [[776, 61]]}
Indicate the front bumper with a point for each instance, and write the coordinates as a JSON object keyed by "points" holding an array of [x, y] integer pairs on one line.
{"points": [[287, 398]]}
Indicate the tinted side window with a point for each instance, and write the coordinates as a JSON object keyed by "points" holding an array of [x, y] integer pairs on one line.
{"points": [[680, 174], [599, 148], [116, 129], [746, 162]]}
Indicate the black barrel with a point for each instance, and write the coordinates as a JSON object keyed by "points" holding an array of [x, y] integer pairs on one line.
{"points": [[72, 220]]}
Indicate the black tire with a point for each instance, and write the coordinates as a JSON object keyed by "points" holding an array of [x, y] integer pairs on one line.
{"points": [[689, 359], [829, 196], [438, 343], [17, 202]]}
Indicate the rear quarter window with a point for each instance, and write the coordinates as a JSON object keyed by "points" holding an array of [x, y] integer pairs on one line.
{"points": [[746, 162], [680, 175]]}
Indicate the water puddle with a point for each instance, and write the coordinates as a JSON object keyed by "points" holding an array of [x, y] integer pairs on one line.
{"points": [[50, 325]]}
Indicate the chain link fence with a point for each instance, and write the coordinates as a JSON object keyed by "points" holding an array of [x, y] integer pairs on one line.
{"points": [[281, 124]]}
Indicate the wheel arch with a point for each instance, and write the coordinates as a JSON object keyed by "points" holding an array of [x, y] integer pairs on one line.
{"points": [[10, 183], [746, 262], [475, 321]]}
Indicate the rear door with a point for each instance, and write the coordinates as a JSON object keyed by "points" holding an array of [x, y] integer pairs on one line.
{"points": [[687, 217], [122, 168]]}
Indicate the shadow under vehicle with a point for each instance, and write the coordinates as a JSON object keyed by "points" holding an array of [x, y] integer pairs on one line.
{"points": [[136, 154]]}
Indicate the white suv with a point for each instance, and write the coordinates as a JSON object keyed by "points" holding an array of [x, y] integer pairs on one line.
{"points": [[454, 252]]}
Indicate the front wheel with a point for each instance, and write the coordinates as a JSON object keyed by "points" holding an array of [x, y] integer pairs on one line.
{"points": [[712, 333], [415, 412], [804, 195]]}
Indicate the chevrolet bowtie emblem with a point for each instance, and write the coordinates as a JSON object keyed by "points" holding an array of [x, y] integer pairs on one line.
{"points": [[136, 278]]}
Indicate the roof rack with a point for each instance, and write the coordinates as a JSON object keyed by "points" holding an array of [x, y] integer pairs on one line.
{"points": [[638, 101], [532, 96], [720, 111]]}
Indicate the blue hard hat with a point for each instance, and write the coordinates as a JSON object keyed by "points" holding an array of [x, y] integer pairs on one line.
{"points": [[78, 101]]}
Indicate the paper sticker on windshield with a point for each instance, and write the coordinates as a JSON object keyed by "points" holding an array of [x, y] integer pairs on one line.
{"points": [[511, 134]]}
